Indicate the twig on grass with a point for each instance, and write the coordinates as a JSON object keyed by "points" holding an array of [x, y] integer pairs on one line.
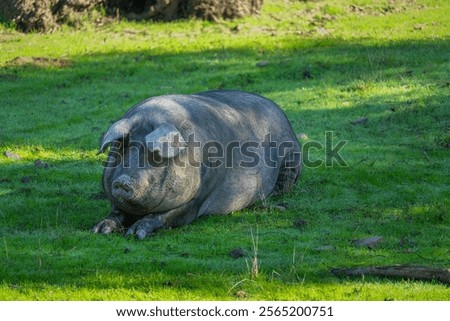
{"points": [[398, 271]]}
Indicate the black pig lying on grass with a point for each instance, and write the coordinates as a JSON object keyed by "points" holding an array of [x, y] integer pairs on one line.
{"points": [[177, 157]]}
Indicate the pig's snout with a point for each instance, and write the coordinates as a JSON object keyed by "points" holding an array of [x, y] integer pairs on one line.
{"points": [[122, 188]]}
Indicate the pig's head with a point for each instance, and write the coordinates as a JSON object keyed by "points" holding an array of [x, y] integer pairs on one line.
{"points": [[147, 170]]}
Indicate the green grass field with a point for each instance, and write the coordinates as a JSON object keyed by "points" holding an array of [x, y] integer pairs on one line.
{"points": [[326, 63]]}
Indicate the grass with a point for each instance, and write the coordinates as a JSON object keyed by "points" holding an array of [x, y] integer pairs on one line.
{"points": [[329, 63]]}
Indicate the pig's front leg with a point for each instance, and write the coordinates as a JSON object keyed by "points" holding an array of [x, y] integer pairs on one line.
{"points": [[112, 223], [182, 215]]}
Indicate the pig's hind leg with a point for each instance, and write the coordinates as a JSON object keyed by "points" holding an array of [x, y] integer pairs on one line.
{"points": [[288, 174]]}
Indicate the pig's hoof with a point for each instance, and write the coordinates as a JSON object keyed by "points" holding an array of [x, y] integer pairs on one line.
{"points": [[107, 226], [143, 228]]}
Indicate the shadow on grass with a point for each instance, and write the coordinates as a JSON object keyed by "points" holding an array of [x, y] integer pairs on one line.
{"points": [[393, 186]]}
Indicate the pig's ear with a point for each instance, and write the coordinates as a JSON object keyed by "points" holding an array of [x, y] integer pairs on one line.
{"points": [[166, 140], [118, 131]]}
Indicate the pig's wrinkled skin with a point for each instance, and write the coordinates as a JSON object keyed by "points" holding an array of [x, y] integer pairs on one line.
{"points": [[146, 197]]}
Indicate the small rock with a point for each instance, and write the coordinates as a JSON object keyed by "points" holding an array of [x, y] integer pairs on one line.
{"points": [[300, 223], [40, 164], [26, 179], [127, 250], [280, 208], [362, 120], [306, 74], [262, 63], [370, 242], [11, 155], [237, 253]]}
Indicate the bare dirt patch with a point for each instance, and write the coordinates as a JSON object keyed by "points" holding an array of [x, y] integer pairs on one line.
{"points": [[46, 15]]}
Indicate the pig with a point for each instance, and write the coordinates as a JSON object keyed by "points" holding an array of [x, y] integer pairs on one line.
{"points": [[174, 158]]}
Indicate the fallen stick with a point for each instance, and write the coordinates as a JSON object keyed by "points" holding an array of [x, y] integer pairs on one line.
{"points": [[398, 271]]}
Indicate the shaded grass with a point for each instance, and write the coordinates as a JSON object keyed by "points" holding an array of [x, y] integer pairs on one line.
{"points": [[396, 184]]}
